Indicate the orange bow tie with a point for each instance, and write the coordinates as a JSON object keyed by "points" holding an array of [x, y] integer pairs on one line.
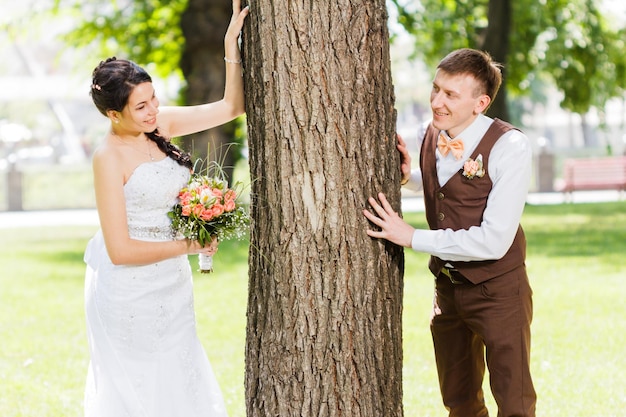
{"points": [[456, 146]]}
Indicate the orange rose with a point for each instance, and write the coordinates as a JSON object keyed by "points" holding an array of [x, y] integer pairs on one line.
{"points": [[217, 209], [229, 205], [207, 214]]}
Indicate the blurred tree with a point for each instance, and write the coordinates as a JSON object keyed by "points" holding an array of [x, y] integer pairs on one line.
{"points": [[204, 24], [567, 42], [180, 37]]}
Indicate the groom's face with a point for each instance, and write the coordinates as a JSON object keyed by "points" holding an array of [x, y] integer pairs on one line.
{"points": [[455, 101]]}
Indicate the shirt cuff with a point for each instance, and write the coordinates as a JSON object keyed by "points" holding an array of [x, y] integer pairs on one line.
{"points": [[423, 240], [415, 182]]}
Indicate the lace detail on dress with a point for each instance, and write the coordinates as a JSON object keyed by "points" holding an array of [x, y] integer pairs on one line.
{"points": [[146, 359], [151, 192], [151, 233], [192, 375]]}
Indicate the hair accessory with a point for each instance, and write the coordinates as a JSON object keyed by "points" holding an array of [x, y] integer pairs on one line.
{"points": [[96, 87]]}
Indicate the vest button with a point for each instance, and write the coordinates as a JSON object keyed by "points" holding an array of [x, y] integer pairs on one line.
{"points": [[441, 216], [440, 196]]}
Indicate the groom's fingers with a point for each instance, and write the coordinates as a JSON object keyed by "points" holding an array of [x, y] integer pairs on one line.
{"points": [[386, 206], [384, 209], [377, 208], [376, 220]]}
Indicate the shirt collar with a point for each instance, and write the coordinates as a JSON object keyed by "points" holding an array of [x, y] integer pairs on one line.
{"points": [[474, 132]]}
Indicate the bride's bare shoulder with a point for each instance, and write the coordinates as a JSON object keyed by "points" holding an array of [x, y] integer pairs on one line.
{"points": [[107, 152], [110, 160]]}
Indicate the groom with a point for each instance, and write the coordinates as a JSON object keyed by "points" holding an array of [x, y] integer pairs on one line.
{"points": [[474, 172]]}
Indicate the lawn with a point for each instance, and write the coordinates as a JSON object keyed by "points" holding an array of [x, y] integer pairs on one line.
{"points": [[575, 261]]}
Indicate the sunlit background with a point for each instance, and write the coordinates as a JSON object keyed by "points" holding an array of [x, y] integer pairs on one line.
{"points": [[49, 127]]}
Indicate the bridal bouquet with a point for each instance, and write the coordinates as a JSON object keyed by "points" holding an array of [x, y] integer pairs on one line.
{"points": [[208, 208]]}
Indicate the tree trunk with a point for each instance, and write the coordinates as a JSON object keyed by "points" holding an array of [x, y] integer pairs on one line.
{"points": [[497, 44], [204, 24], [586, 131], [324, 331]]}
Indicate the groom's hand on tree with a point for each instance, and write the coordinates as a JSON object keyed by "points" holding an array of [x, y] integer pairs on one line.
{"points": [[392, 227]]}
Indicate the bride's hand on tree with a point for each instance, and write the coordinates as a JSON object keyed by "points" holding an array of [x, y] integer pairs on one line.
{"points": [[235, 26]]}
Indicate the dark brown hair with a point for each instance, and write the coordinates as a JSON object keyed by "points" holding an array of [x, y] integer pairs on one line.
{"points": [[113, 80]]}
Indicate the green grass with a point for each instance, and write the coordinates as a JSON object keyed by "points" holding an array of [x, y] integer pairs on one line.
{"points": [[575, 263]]}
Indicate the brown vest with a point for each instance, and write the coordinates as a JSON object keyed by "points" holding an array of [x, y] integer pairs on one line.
{"points": [[460, 204]]}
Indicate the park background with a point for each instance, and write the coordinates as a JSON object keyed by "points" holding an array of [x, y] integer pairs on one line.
{"points": [[48, 128]]}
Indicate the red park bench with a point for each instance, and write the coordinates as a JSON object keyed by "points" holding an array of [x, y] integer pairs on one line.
{"points": [[603, 173]]}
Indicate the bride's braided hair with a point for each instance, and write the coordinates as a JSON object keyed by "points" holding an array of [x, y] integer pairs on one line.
{"points": [[112, 82]]}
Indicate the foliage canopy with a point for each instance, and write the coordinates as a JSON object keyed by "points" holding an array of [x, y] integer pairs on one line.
{"points": [[148, 30], [569, 43]]}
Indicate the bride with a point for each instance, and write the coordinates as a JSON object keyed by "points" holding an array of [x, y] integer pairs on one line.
{"points": [[146, 359]]}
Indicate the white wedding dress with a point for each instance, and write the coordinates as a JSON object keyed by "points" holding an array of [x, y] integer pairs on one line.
{"points": [[146, 359]]}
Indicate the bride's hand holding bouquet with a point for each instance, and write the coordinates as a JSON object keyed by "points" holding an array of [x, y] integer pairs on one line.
{"points": [[209, 211]]}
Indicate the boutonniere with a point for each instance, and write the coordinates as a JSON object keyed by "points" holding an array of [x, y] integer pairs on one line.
{"points": [[473, 168]]}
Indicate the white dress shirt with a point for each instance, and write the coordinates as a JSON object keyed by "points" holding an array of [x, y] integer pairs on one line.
{"points": [[509, 168]]}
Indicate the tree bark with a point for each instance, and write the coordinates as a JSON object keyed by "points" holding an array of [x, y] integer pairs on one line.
{"points": [[324, 331], [204, 24], [497, 44]]}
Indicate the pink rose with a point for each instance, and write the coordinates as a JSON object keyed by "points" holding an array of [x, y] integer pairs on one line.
{"points": [[471, 167], [230, 195], [207, 214], [218, 209], [229, 205]]}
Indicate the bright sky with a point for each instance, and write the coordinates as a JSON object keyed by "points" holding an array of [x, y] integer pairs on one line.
{"points": [[615, 8]]}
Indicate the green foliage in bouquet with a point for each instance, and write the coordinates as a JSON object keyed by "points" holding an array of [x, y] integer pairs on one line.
{"points": [[207, 207]]}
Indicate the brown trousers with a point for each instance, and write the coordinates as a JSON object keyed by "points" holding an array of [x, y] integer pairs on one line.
{"points": [[473, 322]]}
